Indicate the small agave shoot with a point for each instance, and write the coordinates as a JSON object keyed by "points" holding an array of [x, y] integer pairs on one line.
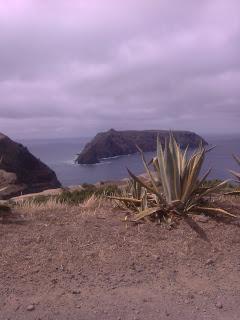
{"points": [[175, 187], [236, 176], [133, 198]]}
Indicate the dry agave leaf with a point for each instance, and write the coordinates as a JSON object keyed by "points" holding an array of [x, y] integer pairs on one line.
{"points": [[125, 199], [232, 193], [214, 211], [145, 213]]}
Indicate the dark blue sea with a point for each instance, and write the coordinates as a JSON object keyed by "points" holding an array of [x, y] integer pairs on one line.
{"points": [[59, 154]]}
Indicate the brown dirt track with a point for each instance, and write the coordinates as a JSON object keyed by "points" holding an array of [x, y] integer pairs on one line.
{"points": [[71, 263]]}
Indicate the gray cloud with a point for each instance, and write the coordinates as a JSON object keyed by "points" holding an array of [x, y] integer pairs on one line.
{"points": [[72, 68]]}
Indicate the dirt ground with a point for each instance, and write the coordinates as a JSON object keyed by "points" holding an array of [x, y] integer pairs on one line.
{"points": [[73, 263]]}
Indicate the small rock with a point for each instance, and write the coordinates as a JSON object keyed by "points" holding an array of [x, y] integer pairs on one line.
{"points": [[76, 291], [202, 219], [209, 262], [139, 269], [219, 305], [236, 222], [54, 281], [31, 307], [167, 313]]}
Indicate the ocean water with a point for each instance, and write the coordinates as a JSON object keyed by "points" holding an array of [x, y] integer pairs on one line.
{"points": [[59, 154]]}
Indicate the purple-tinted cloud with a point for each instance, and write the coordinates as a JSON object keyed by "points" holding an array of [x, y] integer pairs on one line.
{"points": [[72, 68]]}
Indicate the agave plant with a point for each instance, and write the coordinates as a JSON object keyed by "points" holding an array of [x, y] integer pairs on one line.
{"points": [[175, 186]]}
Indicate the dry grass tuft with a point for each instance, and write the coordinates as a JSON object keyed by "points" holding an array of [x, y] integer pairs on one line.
{"points": [[95, 205], [91, 206], [94, 202], [31, 205]]}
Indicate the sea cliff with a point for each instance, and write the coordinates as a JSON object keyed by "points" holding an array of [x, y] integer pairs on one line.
{"points": [[21, 172]]}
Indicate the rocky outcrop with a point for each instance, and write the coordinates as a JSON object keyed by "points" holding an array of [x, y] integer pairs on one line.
{"points": [[115, 143], [21, 172]]}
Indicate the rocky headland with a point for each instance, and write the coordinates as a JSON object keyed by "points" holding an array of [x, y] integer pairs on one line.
{"points": [[21, 172], [116, 143]]}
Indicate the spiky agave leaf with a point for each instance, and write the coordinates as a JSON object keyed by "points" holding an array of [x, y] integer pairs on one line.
{"points": [[232, 193], [155, 186], [235, 174], [134, 197], [134, 188], [125, 199], [236, 158], [145, 185], [191, 174], [213, 189], [204, 178]]}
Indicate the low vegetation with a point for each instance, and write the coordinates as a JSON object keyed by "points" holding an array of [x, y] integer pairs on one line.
{"points": [[79, 196], [68, 197], [4, 207], [237, 177], [174, 187], [236, 174]]}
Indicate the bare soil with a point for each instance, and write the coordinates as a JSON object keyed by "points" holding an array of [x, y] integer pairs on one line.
{"points": [[72, 264]]}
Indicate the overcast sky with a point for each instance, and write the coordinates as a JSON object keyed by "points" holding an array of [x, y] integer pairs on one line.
{"points": [[76, 67]]}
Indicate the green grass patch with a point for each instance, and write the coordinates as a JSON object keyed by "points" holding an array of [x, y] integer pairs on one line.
{"points": [[79, 196]]}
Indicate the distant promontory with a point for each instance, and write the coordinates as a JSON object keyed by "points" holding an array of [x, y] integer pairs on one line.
{"points": [[116, 143], [21, 172]]}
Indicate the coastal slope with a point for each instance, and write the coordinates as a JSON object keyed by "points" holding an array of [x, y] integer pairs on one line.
{"points": [[116, 143], [21, 172]]}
